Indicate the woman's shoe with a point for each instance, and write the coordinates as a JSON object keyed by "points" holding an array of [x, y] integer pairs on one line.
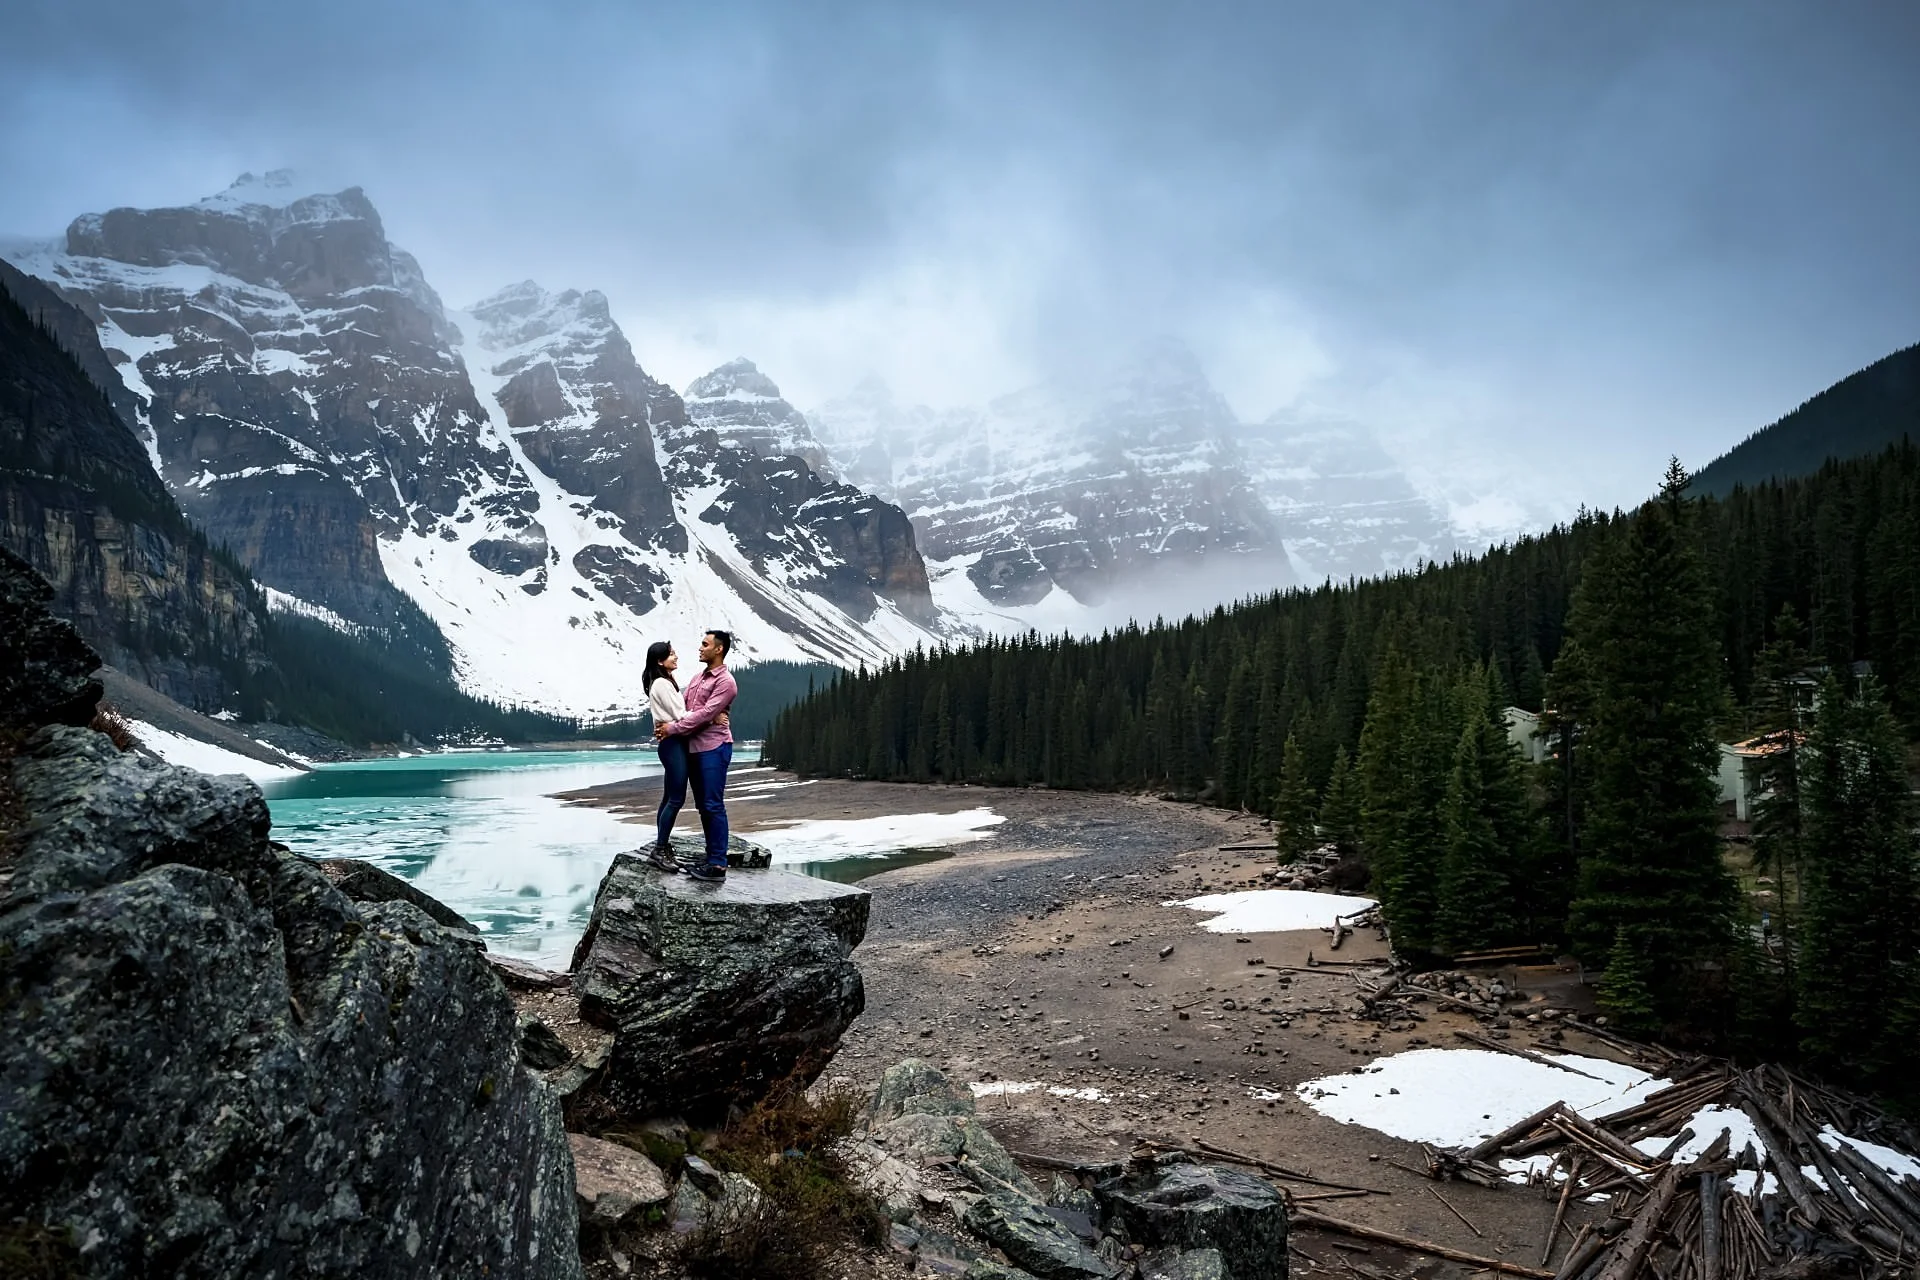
{"points": [[661, 856]]}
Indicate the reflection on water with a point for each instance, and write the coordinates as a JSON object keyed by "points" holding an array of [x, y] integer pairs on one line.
{"points": [[481, 832]]}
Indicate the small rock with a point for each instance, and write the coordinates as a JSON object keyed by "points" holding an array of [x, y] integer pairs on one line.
{"points": [[612, 1181]]}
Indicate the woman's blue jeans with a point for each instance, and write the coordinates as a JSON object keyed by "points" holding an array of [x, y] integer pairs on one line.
{"points": [[709, 770], [673, 793]]}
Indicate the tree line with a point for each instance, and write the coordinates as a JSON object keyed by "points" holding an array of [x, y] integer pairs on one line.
{"points": [[1373, 715]]}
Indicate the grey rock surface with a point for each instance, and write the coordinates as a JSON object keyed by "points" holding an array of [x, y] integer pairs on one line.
{"points": [[1032, 1239], [364, 882], [1183, 1264], [1203, 1206], [46, 669], [212, 1062], [612, 1182], [715, 993], [916, 1087]]}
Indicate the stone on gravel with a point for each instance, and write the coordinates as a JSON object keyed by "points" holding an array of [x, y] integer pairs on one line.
{"points": [[613, 1181], [887, 1178], [1203, 1206], [1031, 1239], [715, 993], [540, 1046], [916, 1087]]}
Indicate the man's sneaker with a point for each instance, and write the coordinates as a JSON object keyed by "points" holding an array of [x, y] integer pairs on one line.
{"points": [[707, 871], [660, 858]]}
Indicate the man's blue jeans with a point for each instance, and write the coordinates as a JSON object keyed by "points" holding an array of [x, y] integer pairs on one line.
{"points": [[708, 773], [673, 791]]}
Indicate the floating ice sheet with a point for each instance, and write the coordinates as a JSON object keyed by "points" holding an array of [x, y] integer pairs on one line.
{"points": [[1273, 910]]}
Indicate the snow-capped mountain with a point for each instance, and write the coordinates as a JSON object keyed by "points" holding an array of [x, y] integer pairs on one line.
{"points": [[1059, 496], [1344, 507], [511, 468], [743, 407]]}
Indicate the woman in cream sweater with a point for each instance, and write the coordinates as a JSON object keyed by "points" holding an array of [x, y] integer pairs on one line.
{"points": [[666, 705]]}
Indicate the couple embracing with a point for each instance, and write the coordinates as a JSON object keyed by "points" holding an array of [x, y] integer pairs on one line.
{"points": [[696, 746]]}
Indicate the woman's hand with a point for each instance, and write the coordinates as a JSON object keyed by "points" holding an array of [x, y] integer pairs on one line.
{"points": [[660, 732], [723, 719]]}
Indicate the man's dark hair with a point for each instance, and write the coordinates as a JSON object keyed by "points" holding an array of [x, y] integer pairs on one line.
{"points": [[725, 640]]}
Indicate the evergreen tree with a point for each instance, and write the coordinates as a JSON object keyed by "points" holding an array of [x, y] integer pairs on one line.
{"points": [[1860, 938], [1293, 807], [1487, 828], [1340, 806], [1650, 873]]}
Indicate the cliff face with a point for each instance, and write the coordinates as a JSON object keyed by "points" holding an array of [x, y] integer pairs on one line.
{"points": [[80, 502], [211, 1061]]}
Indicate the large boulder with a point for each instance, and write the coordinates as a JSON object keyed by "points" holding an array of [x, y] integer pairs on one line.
{"points": [[1200, 1207], [212, 1062], [714, 993]]}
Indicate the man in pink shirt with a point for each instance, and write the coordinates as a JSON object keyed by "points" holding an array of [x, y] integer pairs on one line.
{"points": [[709, 748]]}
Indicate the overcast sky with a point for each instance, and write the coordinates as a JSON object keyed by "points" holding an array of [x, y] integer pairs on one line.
{"points": [[1538, 245]]}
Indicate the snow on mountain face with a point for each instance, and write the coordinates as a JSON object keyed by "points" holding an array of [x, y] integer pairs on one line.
{"points": [[1064, 492], [1344, 507], [512, 469], [743, 408]]}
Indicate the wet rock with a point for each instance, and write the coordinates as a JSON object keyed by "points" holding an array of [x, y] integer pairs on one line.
{"points": [[212, 1062], [1031, 1239], [613, 1182], [1201, 1206], [714, 992], [982, 1269]]}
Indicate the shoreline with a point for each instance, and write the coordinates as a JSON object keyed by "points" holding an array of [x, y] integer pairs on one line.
{"points": [[1033, 958]]}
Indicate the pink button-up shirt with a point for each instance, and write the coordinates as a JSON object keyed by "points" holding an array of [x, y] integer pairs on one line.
{"points": [[711, 692]]}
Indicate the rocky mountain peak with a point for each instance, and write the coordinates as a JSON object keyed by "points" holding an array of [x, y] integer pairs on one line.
{"points": [[737, 379], [744, 409]]}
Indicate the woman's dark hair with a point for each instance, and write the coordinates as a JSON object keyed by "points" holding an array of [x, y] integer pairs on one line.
{"points": [[656, 654]]}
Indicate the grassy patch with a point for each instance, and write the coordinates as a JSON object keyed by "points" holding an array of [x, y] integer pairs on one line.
{"points": [[808, 1209]]}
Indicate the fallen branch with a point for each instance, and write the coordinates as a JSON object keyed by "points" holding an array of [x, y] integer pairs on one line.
{"points": [[1278, 1170], [1310, 1218], [1486, 1043], [1456, 1213]]}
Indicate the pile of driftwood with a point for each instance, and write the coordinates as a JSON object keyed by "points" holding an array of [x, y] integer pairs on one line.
{"points": [[1702, 1217]]}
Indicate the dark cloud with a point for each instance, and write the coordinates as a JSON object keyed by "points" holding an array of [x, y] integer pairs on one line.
{"points": [[1571, 237]]}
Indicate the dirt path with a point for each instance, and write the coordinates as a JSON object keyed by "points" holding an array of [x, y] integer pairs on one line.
{"points": [[1034, 958]]}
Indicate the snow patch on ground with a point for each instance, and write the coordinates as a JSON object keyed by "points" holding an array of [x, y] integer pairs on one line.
{"points": [[821, 839], [1273, 910], [1004, 1088], [192, 753], [1461, 1097]]}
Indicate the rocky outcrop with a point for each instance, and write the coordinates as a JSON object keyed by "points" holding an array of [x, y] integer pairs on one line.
{"points": [[212, 1062], [715, 994]]}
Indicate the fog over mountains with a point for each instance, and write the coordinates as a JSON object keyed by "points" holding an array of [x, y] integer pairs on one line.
{"points": [[515, 471]]}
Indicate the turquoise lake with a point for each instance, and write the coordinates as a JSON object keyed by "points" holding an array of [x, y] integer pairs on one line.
{"points": [[482, 832]]}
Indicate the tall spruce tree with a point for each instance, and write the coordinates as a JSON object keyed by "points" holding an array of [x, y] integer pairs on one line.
{"points": [[1340, 806], [1487, 827], [1652, 890], [1860, 936], [1293, 829]]}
